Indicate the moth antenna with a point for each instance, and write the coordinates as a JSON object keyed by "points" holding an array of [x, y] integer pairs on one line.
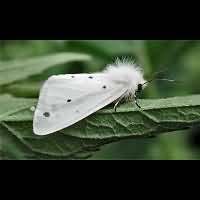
{"points": [[161, 79], [155, 75]]}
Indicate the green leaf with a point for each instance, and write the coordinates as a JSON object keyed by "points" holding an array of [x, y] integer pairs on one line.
{"points": [[103, 47], [12, 49], [27, 89], [156, 116], [11, 71], [103, 127]]}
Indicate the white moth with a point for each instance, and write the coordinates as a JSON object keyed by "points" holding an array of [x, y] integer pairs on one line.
{"points": [[67, 99]]}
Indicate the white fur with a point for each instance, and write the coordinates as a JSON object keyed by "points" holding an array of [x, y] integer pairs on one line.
{"points": [[128, 73]]}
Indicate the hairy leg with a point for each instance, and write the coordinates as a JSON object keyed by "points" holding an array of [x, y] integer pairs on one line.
{"points": [[136, 101]]}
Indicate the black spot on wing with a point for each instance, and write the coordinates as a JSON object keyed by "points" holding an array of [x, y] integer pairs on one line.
{"points": [[46, 114]]}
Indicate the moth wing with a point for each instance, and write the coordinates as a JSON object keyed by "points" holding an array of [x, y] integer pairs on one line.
{"points": [[67, 99]]}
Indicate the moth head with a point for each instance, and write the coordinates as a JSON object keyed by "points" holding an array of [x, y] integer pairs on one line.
{"points": [[139, 88]]}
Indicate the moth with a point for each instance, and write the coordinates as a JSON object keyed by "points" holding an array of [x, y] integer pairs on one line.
{"points": [[67, 99]]}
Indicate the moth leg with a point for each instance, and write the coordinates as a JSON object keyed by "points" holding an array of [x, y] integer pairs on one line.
{"points": [[115, 106], [136, 101]]}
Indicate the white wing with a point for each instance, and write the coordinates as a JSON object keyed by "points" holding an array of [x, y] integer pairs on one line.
{"points": [[66, 99]]}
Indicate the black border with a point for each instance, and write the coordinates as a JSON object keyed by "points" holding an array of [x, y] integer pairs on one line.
{"points": [[114, 30]]}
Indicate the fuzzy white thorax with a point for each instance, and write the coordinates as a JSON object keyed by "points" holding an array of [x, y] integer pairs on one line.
{"points": [[128, 73]]}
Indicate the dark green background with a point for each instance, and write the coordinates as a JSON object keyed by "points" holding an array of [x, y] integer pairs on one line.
{"points": [[181, 59]]}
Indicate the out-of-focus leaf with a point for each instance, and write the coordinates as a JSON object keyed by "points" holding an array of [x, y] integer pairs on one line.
{"points": [[16, 70], [28, 89]]}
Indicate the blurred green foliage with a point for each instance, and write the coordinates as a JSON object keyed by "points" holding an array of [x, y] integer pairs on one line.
{"points": [[181, 58]]}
